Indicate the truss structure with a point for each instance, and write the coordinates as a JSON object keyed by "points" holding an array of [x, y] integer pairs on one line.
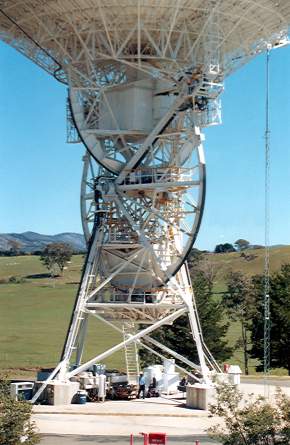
{"points": [[143, 77], [142, 203], [163, 37]]}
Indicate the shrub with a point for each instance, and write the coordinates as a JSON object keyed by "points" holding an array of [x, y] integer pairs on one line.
{"points": [[250, 422], [16, 427]]}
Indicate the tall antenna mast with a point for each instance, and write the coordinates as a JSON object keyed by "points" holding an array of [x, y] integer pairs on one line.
{"points": [[267, 318]]}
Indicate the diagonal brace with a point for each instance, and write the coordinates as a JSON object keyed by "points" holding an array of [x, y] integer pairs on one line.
{"points": [[121, 345]]}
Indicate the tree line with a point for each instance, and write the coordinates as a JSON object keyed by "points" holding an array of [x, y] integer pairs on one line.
{"points": [[244, 302], [239, 246]]}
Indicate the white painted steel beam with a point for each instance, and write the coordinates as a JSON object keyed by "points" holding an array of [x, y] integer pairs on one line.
{"points": [[158, 354], [121, 345]]}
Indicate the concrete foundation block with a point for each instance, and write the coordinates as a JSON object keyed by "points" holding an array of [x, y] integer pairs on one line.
{"points": [[199, 396], [60, 393]]}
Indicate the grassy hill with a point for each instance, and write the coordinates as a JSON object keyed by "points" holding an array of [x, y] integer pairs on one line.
{"points": [[35, 310], [251, 264]]}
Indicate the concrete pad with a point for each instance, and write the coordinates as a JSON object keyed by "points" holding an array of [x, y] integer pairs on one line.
{"points": [[123, 425], [163, 414], [168, 406]]}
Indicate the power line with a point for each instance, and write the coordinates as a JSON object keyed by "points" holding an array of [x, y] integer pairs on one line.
{"points": [[57, 70]]}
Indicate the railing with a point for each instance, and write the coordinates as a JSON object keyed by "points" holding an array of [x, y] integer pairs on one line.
{"points": [[209, 113], [156, 175], [207, 105], [72, 136], [115, 235], [139, 298]]}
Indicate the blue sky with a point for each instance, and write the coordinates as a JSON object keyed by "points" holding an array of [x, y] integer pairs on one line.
{"points": [[40, 174]]}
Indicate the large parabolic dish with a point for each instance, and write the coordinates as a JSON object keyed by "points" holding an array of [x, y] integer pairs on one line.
{"points": [[143, 77], [163, 37]]}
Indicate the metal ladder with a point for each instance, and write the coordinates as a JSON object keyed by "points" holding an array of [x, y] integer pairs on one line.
{"points": [[131, 354]]}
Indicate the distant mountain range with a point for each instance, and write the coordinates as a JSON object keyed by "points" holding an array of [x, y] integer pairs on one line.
{"points": [[31, 241]]}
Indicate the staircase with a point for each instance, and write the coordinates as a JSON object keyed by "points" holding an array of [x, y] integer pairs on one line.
{"points": [[207, 95], [131, 354]]}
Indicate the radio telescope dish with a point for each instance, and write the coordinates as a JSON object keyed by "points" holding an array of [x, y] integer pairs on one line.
{"points": [[143, 77], [93, 42]]}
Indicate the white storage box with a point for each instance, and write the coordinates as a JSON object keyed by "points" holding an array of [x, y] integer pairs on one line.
{"points": [[234, 373], [21, 390]]}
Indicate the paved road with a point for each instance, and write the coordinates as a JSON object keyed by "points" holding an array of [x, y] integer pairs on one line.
{"points": [[283, 382], [118, 440]]}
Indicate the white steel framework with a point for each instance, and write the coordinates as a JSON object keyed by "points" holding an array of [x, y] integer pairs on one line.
{"points": [[143, 77]]}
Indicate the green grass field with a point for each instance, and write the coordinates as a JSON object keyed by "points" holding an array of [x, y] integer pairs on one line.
{"points": [[34, 316], [35, 311]]}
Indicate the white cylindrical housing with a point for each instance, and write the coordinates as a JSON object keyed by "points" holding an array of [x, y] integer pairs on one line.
{"points": [[102, 386], [169, 366], [153, 371]]}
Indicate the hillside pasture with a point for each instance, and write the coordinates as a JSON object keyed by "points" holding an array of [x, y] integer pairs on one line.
{"points": [[35, 310], [34, 316]]}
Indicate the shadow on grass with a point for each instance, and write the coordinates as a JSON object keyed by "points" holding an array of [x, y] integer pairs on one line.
{"points": [[40, 275]]}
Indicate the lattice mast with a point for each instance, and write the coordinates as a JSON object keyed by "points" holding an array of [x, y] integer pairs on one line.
{"points": [[267, 313]]}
